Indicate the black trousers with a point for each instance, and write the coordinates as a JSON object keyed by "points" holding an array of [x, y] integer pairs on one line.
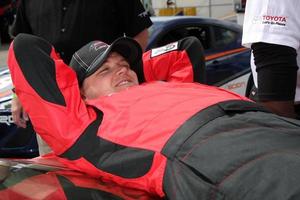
{"points": [[238, 151]]}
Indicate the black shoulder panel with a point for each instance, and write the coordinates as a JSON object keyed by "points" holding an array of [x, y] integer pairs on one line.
{"points": [[33, 56], [113, 158], [195, 51]]}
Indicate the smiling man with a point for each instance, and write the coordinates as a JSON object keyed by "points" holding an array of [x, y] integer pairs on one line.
{"points": [[103, 82], [110, 73], [104, 78], [171, 139]]}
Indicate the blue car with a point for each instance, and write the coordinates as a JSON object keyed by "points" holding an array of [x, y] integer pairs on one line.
{"points": [[227, 66], [14, 141], [227, 61]]}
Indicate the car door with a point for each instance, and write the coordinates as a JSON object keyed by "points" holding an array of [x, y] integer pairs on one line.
{"points": [[226, 59]]}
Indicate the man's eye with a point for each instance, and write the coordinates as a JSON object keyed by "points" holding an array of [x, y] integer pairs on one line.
{"points": [[103, 70], [125, 65]]}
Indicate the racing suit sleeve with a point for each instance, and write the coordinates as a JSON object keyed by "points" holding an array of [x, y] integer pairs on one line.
{"points": [[181, 61], [46, 86]]}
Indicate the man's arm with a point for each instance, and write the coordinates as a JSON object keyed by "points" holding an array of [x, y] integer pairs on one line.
{"points": [[142, 38], [276, 67], [19, 116], [49, 92], [21, 24], [181, 61], [134, 20]]}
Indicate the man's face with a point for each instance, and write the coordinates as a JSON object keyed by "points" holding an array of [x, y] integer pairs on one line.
{"points": [[114, 75]]}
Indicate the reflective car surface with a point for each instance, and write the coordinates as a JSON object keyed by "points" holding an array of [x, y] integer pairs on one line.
{"points": [[45, 179], [227, 61]]}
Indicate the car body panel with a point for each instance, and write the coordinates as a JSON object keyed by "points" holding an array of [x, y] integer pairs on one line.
{"points": [[5, 89], [14, 141]]}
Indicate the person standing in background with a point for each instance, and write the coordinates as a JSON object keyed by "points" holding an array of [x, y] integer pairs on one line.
{"points": [[271, 28], [69, 24]]}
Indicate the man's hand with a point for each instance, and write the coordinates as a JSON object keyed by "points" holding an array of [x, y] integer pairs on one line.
{"points": [[18, 114]]}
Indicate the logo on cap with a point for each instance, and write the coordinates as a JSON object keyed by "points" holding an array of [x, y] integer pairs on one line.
{"points": [[98, 45]]}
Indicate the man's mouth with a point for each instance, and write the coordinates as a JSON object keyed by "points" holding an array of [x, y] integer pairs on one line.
{"points": [[123, 82]]}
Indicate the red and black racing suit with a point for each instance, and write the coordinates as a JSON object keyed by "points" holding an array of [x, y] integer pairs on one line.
{"points": [[179, 140]]}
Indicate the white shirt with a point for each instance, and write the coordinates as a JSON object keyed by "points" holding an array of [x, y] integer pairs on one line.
{"points": [[275, 22]]}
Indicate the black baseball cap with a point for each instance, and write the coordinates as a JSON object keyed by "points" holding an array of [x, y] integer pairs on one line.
{"points": [[91, 56]]}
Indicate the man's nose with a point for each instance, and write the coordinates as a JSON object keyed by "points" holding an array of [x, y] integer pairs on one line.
{"points": [[121, 69]]}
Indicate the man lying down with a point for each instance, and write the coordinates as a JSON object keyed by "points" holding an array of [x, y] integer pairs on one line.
{"points": [[147, 126]]}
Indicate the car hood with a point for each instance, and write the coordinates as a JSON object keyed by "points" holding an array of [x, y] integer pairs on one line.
{"points": [[46, 178]]}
